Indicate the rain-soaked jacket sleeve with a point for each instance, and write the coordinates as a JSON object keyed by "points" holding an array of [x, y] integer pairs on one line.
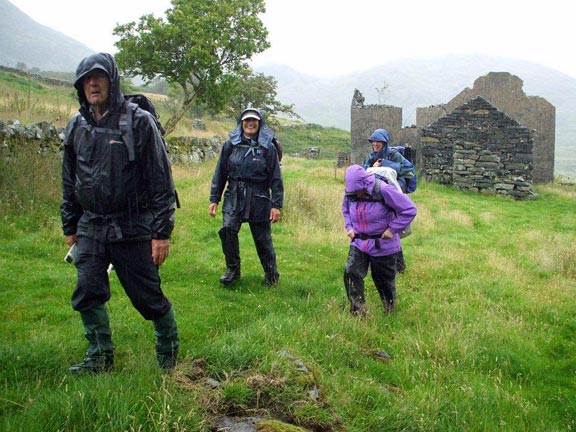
{"points": [[159, 183], [70, 209], [220, 176], [276, 182]]}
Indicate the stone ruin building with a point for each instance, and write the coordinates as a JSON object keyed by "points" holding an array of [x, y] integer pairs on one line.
{"points": [[502, 91], [479, 148]]}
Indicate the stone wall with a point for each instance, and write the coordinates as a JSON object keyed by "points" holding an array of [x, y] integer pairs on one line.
{"points": [[504, 91], [479, 148], [36, 77], [49, 138]]}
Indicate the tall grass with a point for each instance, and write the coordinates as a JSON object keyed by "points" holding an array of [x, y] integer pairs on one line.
{"points": [[483, 339]]}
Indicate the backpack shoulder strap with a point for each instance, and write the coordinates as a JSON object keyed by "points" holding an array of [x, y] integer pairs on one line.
{"points": [[125, 125]]}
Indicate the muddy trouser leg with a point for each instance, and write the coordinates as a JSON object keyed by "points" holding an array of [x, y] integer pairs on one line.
{"points": [[384, 276], [261, 233], [230, 244], [400, 262], [356, 270]]}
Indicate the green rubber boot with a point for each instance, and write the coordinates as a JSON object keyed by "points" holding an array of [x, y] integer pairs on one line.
{"points": [[100, 355], [167, 342]]}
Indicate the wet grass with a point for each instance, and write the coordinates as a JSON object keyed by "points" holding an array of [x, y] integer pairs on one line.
{"points": [[483, 339]]}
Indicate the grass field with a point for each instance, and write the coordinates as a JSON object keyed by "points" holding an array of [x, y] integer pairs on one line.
{"points": [[483, 338]]}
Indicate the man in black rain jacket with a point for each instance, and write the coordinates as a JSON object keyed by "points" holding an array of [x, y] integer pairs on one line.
{"points": [[118, 207]]}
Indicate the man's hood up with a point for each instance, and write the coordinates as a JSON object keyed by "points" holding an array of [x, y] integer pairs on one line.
{"points": [[105, 62]]}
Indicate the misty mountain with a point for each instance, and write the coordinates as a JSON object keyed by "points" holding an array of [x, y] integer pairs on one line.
{"points": [[23, 40], [409, 83], [414, 83]]}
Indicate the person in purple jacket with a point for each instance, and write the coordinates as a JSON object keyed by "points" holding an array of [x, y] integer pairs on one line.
{"points": [[374, 215]]}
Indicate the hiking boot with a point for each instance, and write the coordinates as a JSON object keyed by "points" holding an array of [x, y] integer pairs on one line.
{"points": [[167, 361], [230, 276], [94, 364], [359, 310], [389, 306], [271, 279], [167, 342]]}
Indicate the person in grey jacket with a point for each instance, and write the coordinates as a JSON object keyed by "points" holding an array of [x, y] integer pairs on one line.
{"points": [[374, 214], [118, 208], [249, 169]]}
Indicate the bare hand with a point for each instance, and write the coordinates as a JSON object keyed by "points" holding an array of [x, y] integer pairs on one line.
{"points": [[71, 239], [387, 234], [212, 209], [160, 251], [274, 215], [351, 234]]}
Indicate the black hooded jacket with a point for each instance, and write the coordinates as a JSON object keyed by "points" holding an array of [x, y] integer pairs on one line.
{"points": [[252, 171], [100, 182]]}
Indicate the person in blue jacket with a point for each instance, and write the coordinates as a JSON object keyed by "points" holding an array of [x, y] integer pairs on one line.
{"points": [[249, 169], [374, 215], [383, 155]]}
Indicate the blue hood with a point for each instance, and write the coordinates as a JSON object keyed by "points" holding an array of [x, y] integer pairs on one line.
{"points": [[380, 135]]}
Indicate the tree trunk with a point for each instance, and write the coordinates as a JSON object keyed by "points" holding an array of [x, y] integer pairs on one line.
{"points": [[170, 125]]}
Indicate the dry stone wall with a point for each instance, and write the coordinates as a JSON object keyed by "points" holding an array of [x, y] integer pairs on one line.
{"points": [[479, 148], [504, 91], [50, 139]]}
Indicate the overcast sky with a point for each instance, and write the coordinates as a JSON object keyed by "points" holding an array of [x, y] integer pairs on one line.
{"points": [[335, 37]]}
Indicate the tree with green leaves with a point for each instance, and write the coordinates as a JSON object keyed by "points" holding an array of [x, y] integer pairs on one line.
{"points": [[257, 90], [201, 46]]}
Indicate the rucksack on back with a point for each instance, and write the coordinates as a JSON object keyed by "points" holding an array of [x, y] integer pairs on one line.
{"points": [[278, 148], [141, 101], [410, 181]]}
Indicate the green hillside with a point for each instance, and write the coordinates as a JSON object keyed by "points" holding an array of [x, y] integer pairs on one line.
{"points": [[483, 338]]}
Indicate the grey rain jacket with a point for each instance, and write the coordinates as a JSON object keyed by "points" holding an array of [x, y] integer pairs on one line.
{"points": [[252, 171], [101, 185]]}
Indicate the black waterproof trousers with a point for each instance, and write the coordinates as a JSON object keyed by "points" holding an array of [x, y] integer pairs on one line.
{"points": [[134, 267], [262, 235], [383, 271]]}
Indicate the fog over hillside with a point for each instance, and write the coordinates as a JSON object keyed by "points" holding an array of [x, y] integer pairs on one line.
{"points": [[409, 83], [414, 83], [23, 40]]}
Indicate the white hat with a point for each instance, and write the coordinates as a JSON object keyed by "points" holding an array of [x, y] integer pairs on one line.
{"points": [[251, 114]]}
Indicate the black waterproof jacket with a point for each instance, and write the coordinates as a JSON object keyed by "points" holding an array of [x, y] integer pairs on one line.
{"points": [[252, 171], [101, 185]]}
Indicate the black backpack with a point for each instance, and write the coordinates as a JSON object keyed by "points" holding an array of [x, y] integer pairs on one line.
{"points": [[278, 148]]}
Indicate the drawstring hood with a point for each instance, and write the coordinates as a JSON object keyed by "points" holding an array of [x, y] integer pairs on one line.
{"points": [[357, 179], [106, 63], [265, 134]]}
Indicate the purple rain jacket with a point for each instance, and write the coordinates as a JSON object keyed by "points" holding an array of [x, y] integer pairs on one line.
{"points": [[370, 216]]}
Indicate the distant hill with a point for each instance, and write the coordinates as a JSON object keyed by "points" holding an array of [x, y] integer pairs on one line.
{"points": [[24, 40], [421, 83], [410, 83]]}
